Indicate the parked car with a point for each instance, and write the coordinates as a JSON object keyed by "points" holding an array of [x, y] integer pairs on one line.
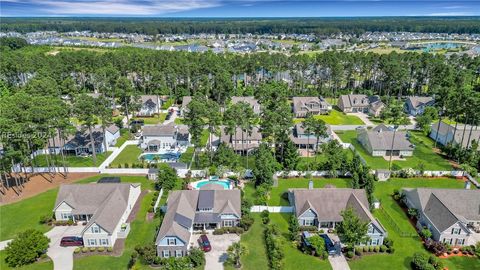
{"points": [[204, 243], [329, 244], [69, 241], [140, 122]]}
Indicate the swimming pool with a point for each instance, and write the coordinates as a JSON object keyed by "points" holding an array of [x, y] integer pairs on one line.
{"points": [[170, 156], [199, 184]]}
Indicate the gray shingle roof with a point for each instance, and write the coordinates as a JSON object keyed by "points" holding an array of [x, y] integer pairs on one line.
{"points": [[149, 99], [382, 140], [159, 130], [250, 100], [186, 203], [106, 202], [439, 214], [328, 203], [463, 203], [417, 101], [299, 104], [462, 131]]}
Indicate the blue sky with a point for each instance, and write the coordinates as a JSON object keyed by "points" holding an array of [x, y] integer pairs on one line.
{"points": [[238, 8]]}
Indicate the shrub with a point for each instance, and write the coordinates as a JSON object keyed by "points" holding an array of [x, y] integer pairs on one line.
{"points": [[197, 257], [246, 222], [318, 243], [101, 249], [391, 250], [308, 228], [46, 219], [274, 248], [388, 242], [157, 260], [265, 216], [147, 253], [26, 248], [412, 212], [376, 249], [426, 233], [150, 210], [84, 249], [358, 251], [218, 231], [383, 248], [350, 254], [293, 227], [69, 222], [436, 247], [109, 249], [365, 248], [370, 249], [92, 249], [321, 231], [77, 250], [419, 261]]}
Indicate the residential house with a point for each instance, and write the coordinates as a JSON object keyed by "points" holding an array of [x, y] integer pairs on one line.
{"points": [[151, 105], [361, 103], [80, 143], [105, 208], [242, 142], [459, 134], [305, 141], [303, 106], [164, 137], [185, 101], [322, 207], [383, 141], [249, 100], [452, 215], [416, 105], [195, 210]]}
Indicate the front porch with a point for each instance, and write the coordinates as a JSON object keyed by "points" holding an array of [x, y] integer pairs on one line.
{"points": [[205, 226]]}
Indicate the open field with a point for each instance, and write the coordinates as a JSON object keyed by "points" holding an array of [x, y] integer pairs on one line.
{"points": [[336, 117], [423, 153]]}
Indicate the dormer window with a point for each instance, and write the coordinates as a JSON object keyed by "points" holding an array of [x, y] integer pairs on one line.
{"points": [[205, 210], [95, 229], [171, 241]]}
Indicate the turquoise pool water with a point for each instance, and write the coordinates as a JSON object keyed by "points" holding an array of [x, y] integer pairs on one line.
{"points": [[174, 156], [224, 183]]}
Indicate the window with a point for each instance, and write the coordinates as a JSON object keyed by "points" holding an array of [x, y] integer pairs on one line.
{"points": [[460, 242], [374, 242], [166, 253], [92, 242], [95, 229], [178, 253], [308, 222], [65, 215], [228, 223], [171, 241], [456, 231], [104, 242]]}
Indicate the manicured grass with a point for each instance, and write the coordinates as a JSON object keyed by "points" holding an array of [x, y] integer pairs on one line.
{"points": [[124, 136], [178, 121], [405, 247], [129, 155], [277, 197], [294, 258], [187, 156], [422, 153], [11, 222], [71, 161], [304, 161], [154, 120], [142, 233], [337, 117], [204, 138], [462, 263], [256, 257]]}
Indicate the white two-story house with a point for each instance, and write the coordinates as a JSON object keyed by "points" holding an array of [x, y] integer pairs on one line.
{"points": [[164, 137], [104, 208]]}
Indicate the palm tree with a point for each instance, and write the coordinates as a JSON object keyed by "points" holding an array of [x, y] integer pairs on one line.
{"points": [[235, 252]]}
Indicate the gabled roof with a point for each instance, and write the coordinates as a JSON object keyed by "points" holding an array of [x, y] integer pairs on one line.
{"points": [[106, 202], [249, 100], [149, 100], [182, 206], [462, 131], [255, 135], [382, 140], [299, 103], [441, 217], [417, 101], [160, 130], [328, 203], [464, 204]]}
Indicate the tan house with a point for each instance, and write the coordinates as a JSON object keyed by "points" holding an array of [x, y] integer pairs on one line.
{"points": [[383, 141], [241, 141], [303, 106]]}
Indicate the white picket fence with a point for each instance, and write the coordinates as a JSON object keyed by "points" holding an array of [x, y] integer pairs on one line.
{"points": [[271, 209]]}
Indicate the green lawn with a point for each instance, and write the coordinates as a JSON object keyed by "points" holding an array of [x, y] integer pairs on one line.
{"points": [[337, 117], [277, 197], [48, 265], [178, 121], [71, 161], [124, 136], [129, 155], [422, 153], [404, 246], [154, 120]]}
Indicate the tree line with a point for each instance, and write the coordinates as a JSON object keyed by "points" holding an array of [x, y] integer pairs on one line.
{"points": [[319, 26]]}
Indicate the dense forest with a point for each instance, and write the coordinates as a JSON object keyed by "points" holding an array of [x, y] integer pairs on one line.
{"points": [[319, 26]]}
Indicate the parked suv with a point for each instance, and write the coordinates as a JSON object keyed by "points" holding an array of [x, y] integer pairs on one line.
{"points": [[69, 241], [204, 243]]}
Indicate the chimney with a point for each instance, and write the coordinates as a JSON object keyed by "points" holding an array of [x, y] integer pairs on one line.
{"points": [[310, 184]]}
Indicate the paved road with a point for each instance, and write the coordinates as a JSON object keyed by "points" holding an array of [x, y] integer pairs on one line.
{"points": [[62, 257], [218, 255]]}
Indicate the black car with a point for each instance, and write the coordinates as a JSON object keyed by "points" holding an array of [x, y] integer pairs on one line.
{"points": [[329, 244]]}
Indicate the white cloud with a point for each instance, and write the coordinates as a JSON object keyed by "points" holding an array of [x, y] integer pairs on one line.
{"points": [[450, 14]]}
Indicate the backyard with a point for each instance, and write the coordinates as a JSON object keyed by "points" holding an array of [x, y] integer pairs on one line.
{"points": [[336, 117], [71, 160], [124, 136], [154, 120], [129, 155], [423, 153]]}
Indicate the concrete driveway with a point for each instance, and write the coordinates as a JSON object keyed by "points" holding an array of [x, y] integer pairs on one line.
{"points": [[62, 257], [218, 255]]}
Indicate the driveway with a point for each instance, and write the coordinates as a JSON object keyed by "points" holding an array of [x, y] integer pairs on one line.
{"points": [[62, 257], [218, 255], [337, 261], [363, 117]]}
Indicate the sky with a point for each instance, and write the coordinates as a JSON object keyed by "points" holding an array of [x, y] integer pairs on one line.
{"points": [[238, 8]]}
